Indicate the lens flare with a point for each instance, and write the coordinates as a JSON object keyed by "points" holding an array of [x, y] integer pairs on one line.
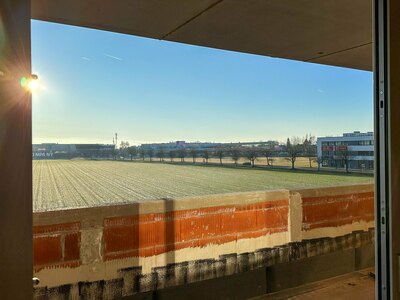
{"points": [[23, 82], [29, 84]]}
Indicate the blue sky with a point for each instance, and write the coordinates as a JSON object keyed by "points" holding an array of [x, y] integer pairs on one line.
{"points": [[95, 83]]}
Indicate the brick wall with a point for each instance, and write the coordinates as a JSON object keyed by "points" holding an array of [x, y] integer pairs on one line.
{"points": [[153, 234], [337, 210], [56, 246]]}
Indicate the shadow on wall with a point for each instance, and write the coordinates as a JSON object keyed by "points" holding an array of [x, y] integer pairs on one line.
{"points": [[155, 235], [114, 251]]}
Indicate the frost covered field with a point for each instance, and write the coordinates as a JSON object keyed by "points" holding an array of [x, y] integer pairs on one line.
{"points": [[80, 183]]}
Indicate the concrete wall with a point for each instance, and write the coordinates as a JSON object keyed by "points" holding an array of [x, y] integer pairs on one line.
{"points": [[124, 249], [15, 150]]}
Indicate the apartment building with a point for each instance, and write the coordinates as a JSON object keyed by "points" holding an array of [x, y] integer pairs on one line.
{"points": [[357, 148]]}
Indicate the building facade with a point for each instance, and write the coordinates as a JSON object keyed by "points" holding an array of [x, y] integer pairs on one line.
{"points": [[356, 149], [200, 146], [68, 151]]}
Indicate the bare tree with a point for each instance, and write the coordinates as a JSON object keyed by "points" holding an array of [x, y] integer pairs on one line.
{"points": [[142, 152], [123, 148], [236, 154], [171, 155], [267, 153], [182, 154], [319, 161], [193, 153], [133, 151], [251, 155], [310, 149], [219, 152], [206, 155], [294, 149], [114, 153], [161, 153], [344, 155], [150, 153]]}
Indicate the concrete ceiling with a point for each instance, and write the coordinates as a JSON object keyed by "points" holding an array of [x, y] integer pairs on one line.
{"points": [[332, 32]]}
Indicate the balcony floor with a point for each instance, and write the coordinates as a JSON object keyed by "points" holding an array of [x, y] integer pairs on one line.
{"points": [[352, 286]]}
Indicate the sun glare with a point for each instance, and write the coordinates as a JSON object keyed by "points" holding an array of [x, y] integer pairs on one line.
{"points": [[30, 84]]}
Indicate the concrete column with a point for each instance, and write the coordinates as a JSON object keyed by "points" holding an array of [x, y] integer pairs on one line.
{"points": [[15, 152]]}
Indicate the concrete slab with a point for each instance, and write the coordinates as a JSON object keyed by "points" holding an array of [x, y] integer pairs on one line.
{"points": [[149, 18], [356, 285], [333, 32], [296, 29]]}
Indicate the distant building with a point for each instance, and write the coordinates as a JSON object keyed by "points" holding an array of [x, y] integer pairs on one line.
{"points": [[68, 151], [172, 146], [201, 146], [358, 147]]}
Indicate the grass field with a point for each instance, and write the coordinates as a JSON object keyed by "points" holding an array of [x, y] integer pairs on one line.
{"points": [[81, 183]]}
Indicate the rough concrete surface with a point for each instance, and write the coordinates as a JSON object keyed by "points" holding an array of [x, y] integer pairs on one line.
{"points": [[352, 286]]}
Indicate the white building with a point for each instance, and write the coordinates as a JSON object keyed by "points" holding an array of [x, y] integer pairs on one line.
{"points": [[357, 148]]}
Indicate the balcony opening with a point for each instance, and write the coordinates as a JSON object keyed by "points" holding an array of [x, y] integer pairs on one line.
{"points": [[160, 166]]}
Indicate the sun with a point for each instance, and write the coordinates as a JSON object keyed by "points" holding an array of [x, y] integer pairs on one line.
{"points": [[30, 84]]}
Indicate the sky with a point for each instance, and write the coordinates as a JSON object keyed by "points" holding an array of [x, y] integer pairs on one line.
{"points": [[94, 83]]}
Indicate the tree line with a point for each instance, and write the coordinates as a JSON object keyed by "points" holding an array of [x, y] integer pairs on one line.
{"points": [[295, 147]]}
